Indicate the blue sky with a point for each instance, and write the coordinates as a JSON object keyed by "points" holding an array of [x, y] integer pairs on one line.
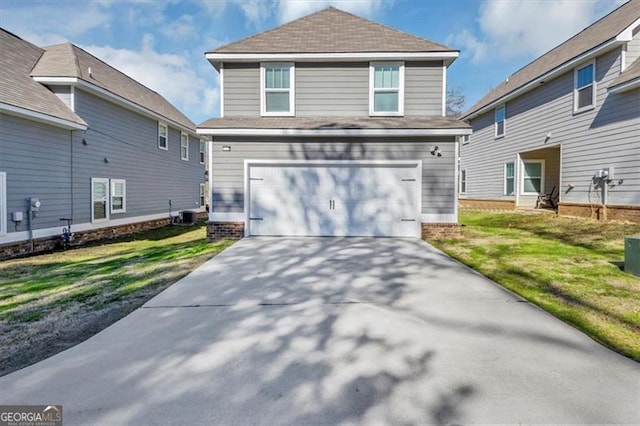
{"points": [[162, 43]]}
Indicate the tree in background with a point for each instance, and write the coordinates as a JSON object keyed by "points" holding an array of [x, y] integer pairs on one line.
{"points": [[455, 101]]}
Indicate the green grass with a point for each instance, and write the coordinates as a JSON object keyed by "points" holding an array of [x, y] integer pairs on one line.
{"points": [[569, 267], [93, 277]]}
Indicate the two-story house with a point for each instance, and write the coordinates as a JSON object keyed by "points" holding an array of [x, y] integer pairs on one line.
{"points": [[80, 140], [333, 125], [567, 123]]}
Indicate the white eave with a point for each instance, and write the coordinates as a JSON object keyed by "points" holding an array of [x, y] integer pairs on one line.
{"points": [[623, 37], [626, 86], [217, 58], [41, 117], [333, 132], [110, 96]]}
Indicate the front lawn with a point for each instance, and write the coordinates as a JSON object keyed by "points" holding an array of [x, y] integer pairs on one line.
{"points": [[569, 267], [50, 302]]}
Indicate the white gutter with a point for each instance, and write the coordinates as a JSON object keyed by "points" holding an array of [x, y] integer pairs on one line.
{"points": [[544, 78], [40, 117], [334, 132], [626, 86], [106, 94]]}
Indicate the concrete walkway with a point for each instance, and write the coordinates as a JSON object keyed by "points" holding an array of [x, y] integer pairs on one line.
{"points": [[334, 331]]}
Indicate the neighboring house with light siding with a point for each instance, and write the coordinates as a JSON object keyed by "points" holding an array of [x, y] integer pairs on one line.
{"points": [[333, 125], [90, 144], [569, 120]]}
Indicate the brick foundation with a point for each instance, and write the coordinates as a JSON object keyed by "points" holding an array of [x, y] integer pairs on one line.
{"points": [[477, 204], [222, 230], [439, 231], [48, 244], [600, 212]]}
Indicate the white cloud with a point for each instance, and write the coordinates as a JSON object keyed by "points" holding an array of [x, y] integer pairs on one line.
{"points": [[171, 75], [529, 28], [181, 28], [292, 9]]}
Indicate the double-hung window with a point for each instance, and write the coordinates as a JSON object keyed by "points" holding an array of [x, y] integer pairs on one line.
{"points": [[532, 177], [500, 121], [203, 148], [163, 136], [386, 88], [277, 89], [184, 146], [463, 181], [118, 195], [202, 194], [99, 199], [584, 94], [509, 178]]}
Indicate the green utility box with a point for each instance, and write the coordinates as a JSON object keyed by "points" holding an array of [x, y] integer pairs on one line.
{"points": [[632, 255]]}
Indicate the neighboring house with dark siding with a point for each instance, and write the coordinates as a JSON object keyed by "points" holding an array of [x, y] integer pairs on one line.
{"points": [[90, 144], [569, 120], [333, 125]]}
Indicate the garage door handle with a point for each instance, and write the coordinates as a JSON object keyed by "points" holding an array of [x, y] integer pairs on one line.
{"points": [[255, 218], [408, 180], [407, 220]]}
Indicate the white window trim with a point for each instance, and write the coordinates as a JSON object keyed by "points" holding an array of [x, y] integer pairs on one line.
{"points": [[182, 135], [202, 154], [124, 195], [504, 179], [164, 125], [504, 122], [466, 179], [202, 194], [292, 90], [577, 110], [107, 186], [522, 177], [3, 203], [465, 139], [400, 112]]}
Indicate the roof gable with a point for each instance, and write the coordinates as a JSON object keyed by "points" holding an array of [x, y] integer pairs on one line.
{"points": [[18, 89], [331, 31], [68, 60], [597, 34]]}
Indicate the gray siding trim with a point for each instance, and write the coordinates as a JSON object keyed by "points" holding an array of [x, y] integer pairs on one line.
{"points": [[241, 90], [423, 88], [64, 93], [607, 136], [438, 191]]}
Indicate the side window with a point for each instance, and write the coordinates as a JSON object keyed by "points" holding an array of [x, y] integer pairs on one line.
{"points": [[463, 181], [584, 94], [118, 196], [184, 146], [532, 177], [202, 194], [509, 178], [386, 87], [163, 136], [203, 149], [99, 199], [277, 89], [500, 121]]}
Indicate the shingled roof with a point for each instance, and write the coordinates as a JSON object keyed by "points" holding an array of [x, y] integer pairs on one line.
{"points": [[331, 31], [18, 89], [68, 60], [597, 34], [630, 74]]}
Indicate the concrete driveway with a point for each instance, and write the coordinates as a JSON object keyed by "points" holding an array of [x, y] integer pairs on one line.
{"points": [[334, 331]]}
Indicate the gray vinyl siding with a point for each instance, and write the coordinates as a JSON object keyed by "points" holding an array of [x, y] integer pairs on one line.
{"points": [[438, 186], [241, 87], [36, 158], [64, 94], [333, 89], [633, 48], [128, 141], [607, 136]]}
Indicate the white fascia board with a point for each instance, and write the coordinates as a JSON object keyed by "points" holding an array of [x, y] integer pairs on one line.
{"points": [[40, 117], [334, 132], [217, 58], [627, 33], [105, 94], [624, 87], [567, 66]]}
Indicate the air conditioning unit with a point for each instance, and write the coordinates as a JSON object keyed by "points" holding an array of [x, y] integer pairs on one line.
{"points": [[189, 217], [632, 255]]}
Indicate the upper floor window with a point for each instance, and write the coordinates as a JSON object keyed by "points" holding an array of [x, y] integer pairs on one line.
{"points": [[584, 94], [203, 147], [386, 88], [500, 119], [163, 136], [277, 89], [466, 139], [184, 146]]}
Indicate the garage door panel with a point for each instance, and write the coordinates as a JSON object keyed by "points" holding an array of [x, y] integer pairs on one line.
{"points": [[333, 200]]}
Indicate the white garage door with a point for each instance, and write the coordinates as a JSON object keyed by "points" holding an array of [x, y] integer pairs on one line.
{"points": [[334, 200]]}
